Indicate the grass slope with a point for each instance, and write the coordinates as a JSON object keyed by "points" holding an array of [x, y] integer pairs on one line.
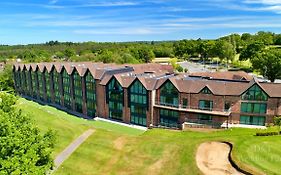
{"points": [[115, 149]]}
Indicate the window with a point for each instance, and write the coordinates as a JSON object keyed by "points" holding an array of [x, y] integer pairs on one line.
{"points": [[90, 94], [184, 102], [24, 82], [169, 95], [227, 106], [56, 82], [206, 91], [206, 105], [169, 118], [66, 89], [115, 99], [35, 90], [204, 117], [78, 93], [48, 86], [138, 103], [252, 120], [41, 84], [257, 108], [255, 93]]}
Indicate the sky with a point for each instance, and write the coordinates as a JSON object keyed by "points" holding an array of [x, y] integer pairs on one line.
{"points": [[39, 21]]}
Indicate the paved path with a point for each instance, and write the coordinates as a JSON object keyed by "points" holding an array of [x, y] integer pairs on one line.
{"points": [[71, 148], [212, 159]]}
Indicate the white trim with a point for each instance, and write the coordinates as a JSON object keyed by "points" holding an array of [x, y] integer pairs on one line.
{"points": [[224, 125], [122, 124]]}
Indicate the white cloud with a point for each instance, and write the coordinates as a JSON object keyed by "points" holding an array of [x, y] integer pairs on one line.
{"points": [[122, 31], [53, 1]]}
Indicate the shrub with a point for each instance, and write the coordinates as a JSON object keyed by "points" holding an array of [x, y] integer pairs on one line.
{"points": [[267, 133]]}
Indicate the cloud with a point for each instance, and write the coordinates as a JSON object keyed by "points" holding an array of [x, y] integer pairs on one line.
{"points": [[122, 31], [53, 1]]}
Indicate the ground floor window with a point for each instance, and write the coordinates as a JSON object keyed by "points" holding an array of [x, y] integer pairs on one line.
{"points": [[205, 117], [78, 105], [91, 108], [252, 120], [67, 102], [138, 114], [169, 118], [115, 110]]}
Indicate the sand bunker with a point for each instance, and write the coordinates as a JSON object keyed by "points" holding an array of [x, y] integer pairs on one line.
{"points": [[212, 159]]}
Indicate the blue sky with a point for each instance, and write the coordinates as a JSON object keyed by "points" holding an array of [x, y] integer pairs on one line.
{"points": [[38, 21]]}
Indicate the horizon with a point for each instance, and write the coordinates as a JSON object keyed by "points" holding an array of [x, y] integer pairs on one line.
{"points": [[37, 22]]}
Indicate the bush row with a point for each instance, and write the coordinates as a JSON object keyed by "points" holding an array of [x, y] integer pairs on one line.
{"points": [[267, 133]]}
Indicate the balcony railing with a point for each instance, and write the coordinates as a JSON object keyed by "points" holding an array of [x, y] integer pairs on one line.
{"points": [[197, 123], [194, 109]]}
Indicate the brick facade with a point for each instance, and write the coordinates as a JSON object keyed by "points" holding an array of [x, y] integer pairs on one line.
{"points": [[193, 95]]}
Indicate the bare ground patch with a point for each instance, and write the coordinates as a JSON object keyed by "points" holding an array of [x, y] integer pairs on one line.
{"points": [[212, 159]]}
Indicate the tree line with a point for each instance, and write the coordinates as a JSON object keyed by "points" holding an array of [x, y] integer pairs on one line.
{"points": [[254, 47]]}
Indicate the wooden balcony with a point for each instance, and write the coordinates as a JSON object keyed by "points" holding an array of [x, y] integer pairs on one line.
{"points": [[180, 108]]}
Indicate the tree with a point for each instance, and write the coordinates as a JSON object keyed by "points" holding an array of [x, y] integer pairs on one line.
{"points": [[251, 50], [225, 50], [6, 79], [68, 53], [268, 63], [105, 56], [183, 47], [23, 149], [277, 121], [277, 39], [264, 37]]}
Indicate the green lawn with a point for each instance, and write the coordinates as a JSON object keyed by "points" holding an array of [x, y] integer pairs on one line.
{"points": [[115, 149]]}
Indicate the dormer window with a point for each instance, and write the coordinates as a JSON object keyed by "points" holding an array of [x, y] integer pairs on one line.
{"points": [[206, 90]]}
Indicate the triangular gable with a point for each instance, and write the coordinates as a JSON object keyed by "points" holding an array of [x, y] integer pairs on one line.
{"points": [[256, 83], [168, 80], [206, 90]]}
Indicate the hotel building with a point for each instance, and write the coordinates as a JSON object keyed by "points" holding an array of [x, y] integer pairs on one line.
{"points": [[150, 95]]}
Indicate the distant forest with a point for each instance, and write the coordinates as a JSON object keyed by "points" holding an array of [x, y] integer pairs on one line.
{"points": [[262, 49]]}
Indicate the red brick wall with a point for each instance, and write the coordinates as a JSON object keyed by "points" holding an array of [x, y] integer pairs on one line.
{"points": [[126, 109], [102, 107]]}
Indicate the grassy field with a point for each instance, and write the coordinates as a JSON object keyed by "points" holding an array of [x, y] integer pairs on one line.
{"points": [[115, 149]]}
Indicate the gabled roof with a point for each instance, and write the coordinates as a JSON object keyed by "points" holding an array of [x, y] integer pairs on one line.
{"points": [[49, 67], [58, 67], [34, 66], [41, 67]]}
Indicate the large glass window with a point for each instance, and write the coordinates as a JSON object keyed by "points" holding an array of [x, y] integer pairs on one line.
{"points": [[252, 120], [34, 83], [41, 83], [48, 86], [29, 83], [169, 118], [24, 82], [255, 93], [115, 99], [206, 105], [169, 95], [90, 94], [17, 80], [66, 89], [258, 108], [138, 103], [78, 93], [56, 82]]}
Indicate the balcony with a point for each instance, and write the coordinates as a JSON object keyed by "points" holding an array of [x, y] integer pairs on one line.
{"points": [[193, 109]]}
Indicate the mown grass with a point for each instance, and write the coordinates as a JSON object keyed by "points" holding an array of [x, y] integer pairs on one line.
{"points": [[115, 149]]}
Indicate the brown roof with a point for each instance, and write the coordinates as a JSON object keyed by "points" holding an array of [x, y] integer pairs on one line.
{"points": [[152, 76], [230, 75], [272, 89]]}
